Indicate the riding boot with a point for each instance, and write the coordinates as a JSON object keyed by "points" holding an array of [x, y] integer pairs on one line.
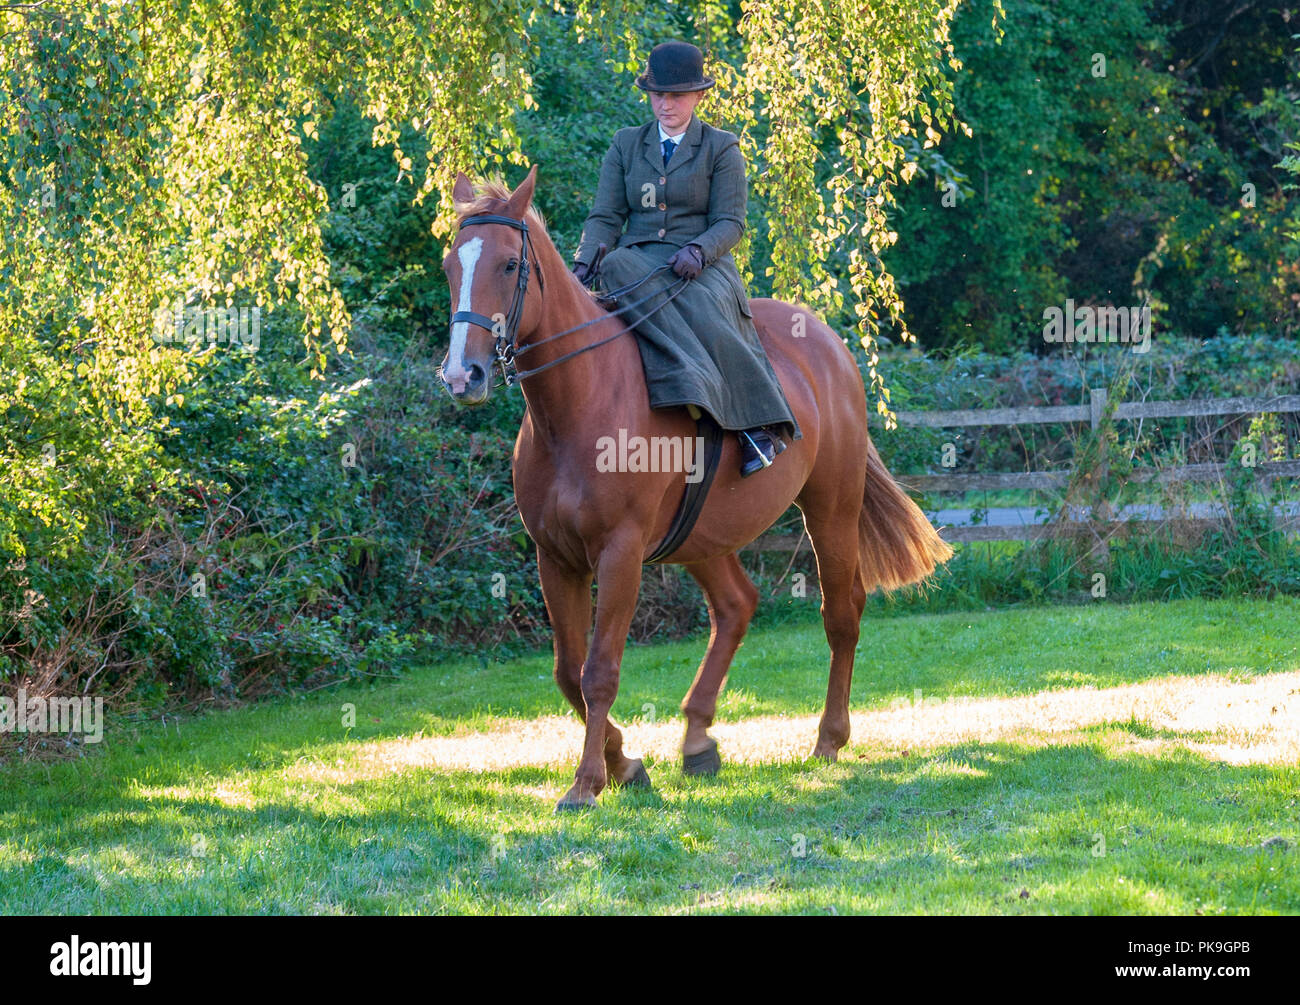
{"points": [[758, 449]]}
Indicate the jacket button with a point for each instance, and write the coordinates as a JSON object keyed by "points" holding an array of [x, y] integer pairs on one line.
{"points": [[663, 181], [663, 205], [662, 232]]}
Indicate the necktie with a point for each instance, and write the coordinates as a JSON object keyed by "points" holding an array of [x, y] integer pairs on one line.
{"points": [[669, 147]]}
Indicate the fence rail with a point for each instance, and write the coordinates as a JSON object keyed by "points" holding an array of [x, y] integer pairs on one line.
{"points": [[975, 482], [1045, 415], [1091, 413]]}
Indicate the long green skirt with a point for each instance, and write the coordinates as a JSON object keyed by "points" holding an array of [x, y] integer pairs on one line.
{"points": [[701, 348]]}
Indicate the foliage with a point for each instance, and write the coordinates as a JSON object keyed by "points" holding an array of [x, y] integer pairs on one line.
{"points": [[200, 521], [1148, 176], [869, 76], [210, 157]]}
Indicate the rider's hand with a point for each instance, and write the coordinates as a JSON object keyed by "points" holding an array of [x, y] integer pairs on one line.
{"points": [[582, 271], [688, 262]]}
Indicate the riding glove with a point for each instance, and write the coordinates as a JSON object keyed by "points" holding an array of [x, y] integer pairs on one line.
{"points": [[688, 262]]}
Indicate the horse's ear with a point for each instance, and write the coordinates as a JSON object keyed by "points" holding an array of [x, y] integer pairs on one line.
{"points": [[463, 191], [522, 197]]}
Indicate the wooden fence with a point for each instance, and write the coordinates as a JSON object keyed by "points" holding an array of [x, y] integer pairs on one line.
{"points": [[1091, 413]]}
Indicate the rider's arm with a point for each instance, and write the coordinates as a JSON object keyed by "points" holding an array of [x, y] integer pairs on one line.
{"points": [[728, 192], [609, 211]]}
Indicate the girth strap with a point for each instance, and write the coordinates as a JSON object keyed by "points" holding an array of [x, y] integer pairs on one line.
{"points": [[696, 492]]}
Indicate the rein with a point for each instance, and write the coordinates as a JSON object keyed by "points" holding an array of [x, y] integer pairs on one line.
{"points": [[506, 349]]}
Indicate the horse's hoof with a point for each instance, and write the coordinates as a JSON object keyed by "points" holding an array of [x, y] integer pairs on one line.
{"points": [[640, 778], [567, 805], [830, 755], [706, 762]]}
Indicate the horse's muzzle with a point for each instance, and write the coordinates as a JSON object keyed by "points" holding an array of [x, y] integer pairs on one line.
{"points": [[468, 385]]}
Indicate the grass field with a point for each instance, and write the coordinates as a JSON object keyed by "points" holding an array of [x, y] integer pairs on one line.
{"points": [[1115, 759]]}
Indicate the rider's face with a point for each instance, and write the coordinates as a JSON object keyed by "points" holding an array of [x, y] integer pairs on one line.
{"points": [[673, 110]]}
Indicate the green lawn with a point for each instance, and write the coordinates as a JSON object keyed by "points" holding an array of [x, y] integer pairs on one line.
{"points": [[280, 808]]}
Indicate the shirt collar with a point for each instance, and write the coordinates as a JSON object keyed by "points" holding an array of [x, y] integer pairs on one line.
{"points": [[676, 139]]}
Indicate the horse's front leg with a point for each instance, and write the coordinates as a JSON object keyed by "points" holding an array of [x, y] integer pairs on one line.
{"points": [[568, 602], [618, 582]]}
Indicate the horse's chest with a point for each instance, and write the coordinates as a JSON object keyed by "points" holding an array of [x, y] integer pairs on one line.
{"points": [[550, 505]]}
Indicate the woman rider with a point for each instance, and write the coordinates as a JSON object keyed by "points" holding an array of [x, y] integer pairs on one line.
{"points": [[678, 185]]}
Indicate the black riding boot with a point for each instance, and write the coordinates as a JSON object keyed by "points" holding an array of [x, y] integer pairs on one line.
{"points": [[758, 449]]}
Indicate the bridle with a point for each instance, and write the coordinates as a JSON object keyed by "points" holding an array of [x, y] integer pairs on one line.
{"points": [[505, 334], [506, 349]]}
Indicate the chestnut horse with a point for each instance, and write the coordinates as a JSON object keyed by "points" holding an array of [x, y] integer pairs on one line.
{"points": [[589, 522]]}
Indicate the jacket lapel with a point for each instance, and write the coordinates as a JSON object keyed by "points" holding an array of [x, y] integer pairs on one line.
{"points": [[654, 153], [685, 152]]}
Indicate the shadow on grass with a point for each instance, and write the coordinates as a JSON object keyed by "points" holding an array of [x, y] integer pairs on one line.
{"points": [[778, 670], [964, 827]]}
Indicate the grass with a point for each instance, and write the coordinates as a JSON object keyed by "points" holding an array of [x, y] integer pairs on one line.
{"points": [[1100, 759]]}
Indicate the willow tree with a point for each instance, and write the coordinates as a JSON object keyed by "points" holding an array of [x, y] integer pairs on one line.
{"points": [[873, 74], [152, 157]]}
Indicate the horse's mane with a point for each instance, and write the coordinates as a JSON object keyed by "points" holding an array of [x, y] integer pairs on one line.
{"points": [[491, 191]]}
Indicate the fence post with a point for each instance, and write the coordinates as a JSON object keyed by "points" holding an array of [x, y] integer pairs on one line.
{"points": [[1101, 514], [1096, 405]]}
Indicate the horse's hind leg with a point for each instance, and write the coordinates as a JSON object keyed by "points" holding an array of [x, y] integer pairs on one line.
{"points": [[833, 527], [732, 600], [568, 602]]}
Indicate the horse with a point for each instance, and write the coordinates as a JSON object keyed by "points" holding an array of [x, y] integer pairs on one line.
{"points": [[589, 522]]}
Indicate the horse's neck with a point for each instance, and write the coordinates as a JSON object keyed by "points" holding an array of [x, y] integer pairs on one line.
{"points": [[593, 388]]}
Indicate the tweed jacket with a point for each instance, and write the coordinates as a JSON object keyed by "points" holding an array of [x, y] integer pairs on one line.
{"points": [[698, 199]]}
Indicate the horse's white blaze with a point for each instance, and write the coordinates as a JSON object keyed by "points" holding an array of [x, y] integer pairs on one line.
{"points": [[468, 255]]}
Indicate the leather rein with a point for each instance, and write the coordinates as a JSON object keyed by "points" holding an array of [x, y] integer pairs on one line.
{"points": [[506, 332]]}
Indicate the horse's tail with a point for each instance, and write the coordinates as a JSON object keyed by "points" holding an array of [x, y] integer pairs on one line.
{"points": [[896, 543]]}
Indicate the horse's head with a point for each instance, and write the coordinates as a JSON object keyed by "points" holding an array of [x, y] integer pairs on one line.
{"points": [[495, 282]]}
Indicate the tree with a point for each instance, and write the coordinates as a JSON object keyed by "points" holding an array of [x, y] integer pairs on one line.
{"points": [[155, 165]]}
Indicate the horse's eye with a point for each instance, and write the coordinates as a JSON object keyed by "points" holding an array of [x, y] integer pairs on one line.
{"points": [[512, 265]]}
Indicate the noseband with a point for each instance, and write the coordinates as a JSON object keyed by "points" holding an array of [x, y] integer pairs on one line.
{"points": [[506, 333]]}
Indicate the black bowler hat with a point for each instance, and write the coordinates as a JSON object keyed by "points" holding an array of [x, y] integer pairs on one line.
{"points": [[674, 66]]}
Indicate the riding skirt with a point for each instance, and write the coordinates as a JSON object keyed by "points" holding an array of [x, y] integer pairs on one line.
{"points": [[700, 348]]}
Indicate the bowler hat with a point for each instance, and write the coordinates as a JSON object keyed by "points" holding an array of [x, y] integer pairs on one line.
{"points": [[674, 66]]}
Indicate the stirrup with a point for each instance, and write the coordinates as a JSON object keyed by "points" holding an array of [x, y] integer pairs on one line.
{"points": [[777, 447], [757, 449]]}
